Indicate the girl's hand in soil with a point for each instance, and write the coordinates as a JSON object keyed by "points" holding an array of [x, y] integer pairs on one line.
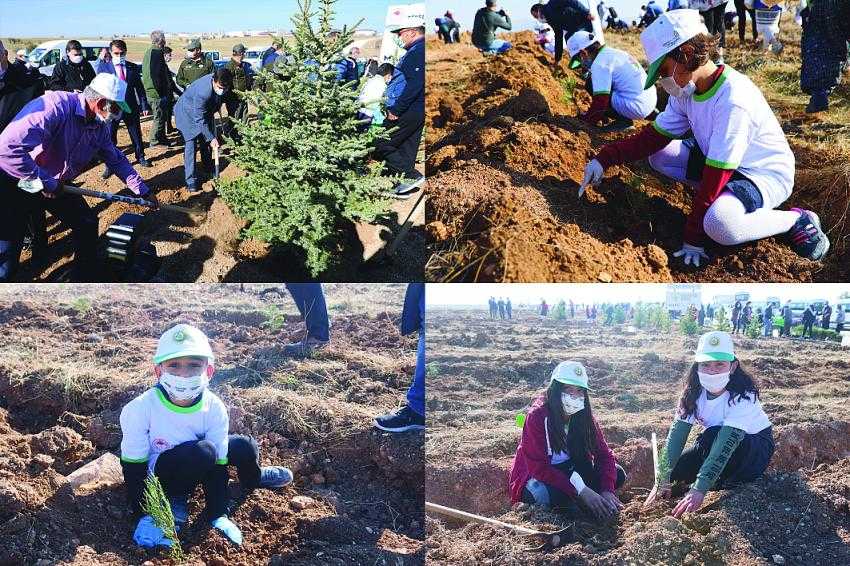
{"points": [[662, 490], [613, 502], [595, 503], [689, 503]]}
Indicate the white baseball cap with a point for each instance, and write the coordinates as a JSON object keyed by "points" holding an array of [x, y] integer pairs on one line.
{"points": [[112, 88], [666, 33], [581, 39], [570, 373], [406, 17], [183, 340], [715, 346]]}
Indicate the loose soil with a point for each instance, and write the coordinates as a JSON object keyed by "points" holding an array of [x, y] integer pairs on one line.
{"points": [[476, 387], [506, 155], [67, 368]]}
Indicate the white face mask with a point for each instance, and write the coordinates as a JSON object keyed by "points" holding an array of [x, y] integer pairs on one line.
{"points": [[219, 91], [184, 388], [676, 91], [119, 60], [109, 117], [76, 59], [572, 405], [713, 381]]}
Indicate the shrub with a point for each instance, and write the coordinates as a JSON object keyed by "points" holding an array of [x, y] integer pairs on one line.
{"points": [[688, 324], [721, 320]]}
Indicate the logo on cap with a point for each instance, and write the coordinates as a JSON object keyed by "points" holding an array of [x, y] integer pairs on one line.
{"points": [[179, 336], [578, 371], [714, 341]]}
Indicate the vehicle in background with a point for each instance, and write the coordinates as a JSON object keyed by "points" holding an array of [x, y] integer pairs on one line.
{"points": [[254, 57], [45, 56], [215, 57]]}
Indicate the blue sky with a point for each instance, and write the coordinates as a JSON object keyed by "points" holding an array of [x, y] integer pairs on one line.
{"points": [[518, 10], [50, 18]]}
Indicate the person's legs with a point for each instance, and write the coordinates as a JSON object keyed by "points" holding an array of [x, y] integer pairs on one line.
{"points": [[134, 130], [183, 467], [189, 163], [244, 454], [393, 151], [74, 212], [416, 392], [741, 10], [672, 160], [206, 153], [310, 300], [729, 221], [157, 133], [16, 209]]}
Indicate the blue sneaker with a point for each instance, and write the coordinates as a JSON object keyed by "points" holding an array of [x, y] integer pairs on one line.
{"points": [[806, 236], [273, 477]]}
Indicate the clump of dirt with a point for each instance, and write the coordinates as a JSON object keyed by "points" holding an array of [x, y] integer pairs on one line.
{"points": [[400, 455], [506, 154], [66, 446]]}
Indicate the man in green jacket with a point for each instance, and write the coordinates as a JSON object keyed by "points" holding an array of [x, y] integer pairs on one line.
{"points": [[194, 66], [487, 21], [243, 80], [156, 78]]}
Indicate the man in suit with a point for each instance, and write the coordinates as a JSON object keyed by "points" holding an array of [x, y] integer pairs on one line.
{"points": [[131, 73], [194, 115], [72, 73], [157, 80]]}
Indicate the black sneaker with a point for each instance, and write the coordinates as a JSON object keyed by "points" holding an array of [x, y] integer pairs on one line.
{"points": [[806, 237], [144, 162], [106, 174], [402, 420]]}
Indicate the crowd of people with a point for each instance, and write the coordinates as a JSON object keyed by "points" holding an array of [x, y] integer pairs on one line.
{"points": [[501, 308], [54, 128]]}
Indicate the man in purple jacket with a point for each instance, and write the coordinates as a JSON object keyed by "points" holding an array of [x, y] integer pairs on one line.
{"points": [[54, 138]]}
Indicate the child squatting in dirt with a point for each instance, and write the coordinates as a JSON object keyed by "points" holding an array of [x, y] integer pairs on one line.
{"points": [[562, 455], [737, 443], [178, 431], [719, 135]]}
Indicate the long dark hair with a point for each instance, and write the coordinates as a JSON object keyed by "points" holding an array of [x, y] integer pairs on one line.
{"points": [[581, 439], [741, 386]]}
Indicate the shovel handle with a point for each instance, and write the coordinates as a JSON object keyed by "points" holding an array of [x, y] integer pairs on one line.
{"points": [[472, 518], [128, 200]]}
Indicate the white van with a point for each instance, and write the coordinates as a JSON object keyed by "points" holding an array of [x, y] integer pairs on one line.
{"points": [[254, 57], [47, 54]]}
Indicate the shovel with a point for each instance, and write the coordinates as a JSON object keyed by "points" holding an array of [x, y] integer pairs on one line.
{"points": [[36, 186], [549, 541]]}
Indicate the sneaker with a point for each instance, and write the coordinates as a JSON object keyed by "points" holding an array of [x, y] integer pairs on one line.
{"points": [[193, 189], [304, 348], [806, 237], [407, 187], [402, 420], [273, 477], [106, 174], [819, 102], [144, 162]]}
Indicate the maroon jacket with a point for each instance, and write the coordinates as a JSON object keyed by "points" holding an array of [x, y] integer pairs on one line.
{"points": [[534, 455]]}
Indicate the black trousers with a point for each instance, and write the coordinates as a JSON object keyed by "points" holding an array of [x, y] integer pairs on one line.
{"points": [[71, 210], [714, 22], [807, 327], [182, 468], [134, 129], [747, 463], [589, 474], [742, 10], [399, 151]]}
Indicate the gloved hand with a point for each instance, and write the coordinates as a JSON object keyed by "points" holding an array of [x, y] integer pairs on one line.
{"points": [[149, 535], [229, 529], [592, 176], [692, 254]]}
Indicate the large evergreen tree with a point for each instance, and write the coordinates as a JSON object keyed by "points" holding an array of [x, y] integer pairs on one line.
{"points": [[305, 161]]}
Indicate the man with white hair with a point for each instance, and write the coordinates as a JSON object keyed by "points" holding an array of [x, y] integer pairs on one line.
{"points": [[157, 80], [53, 139]]}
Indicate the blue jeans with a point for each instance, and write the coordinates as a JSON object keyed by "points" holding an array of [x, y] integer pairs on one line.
{"points": [[498, 46], [192, 144], [416, 392], [310, 300]]}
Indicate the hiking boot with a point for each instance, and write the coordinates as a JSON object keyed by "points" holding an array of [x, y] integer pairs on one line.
{"points": [[401, 420], [407, 187], [273, 477], [304, 348], [806, 237], [819, 102]]}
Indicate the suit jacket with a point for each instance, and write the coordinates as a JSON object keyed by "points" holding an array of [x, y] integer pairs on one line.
{"points": [[136, 98], [17, 87], [195, 109], [70, 77]]}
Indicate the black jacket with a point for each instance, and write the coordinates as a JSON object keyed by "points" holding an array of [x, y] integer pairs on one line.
{"points": [[69, 77], [566, 17], [20, 85], [136, 98]]}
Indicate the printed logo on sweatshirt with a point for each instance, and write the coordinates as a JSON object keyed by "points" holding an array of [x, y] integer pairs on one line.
{"points": [[160, 444]]}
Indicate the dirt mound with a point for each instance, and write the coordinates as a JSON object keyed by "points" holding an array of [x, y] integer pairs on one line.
{"points": [[476, 485], [66, 446], [399, 455], [808, 444], [505, 156], [239, 318]]}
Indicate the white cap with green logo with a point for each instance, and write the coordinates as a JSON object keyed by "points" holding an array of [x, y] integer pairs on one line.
{"points": [[715, 346], [570, 373], [666, 33], [181, 341]]}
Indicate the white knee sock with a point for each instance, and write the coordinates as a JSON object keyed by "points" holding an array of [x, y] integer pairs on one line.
{"points": [[729, 224]]}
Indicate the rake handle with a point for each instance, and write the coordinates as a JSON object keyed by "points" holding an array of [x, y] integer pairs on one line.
{"points": [[473, 518]]}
